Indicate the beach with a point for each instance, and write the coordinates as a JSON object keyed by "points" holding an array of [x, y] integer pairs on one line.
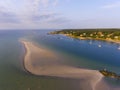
{"points": [[89, 38], [40, 61]]}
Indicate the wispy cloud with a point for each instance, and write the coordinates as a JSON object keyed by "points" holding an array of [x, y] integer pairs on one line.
{"points": [[30, 12], [55, 3], [8, 17], [43, 17], [60, 20], [112, 5]]}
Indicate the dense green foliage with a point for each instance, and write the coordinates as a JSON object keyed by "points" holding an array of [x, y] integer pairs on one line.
{"points": [[91, 33]]}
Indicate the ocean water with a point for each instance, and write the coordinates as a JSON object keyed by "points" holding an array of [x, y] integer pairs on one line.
{"points": [[74, 52]]}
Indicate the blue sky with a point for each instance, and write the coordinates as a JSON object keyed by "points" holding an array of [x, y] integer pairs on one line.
{"points": [[39, 14]]}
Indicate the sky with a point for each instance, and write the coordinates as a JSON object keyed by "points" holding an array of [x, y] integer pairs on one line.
{"points": [[59, 14]]}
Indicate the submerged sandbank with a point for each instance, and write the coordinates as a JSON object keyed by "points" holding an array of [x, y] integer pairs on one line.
{"points": [[41, 61]]}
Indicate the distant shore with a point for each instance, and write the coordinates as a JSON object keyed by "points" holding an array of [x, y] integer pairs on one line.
{"points": [[108, 35], [99, 39]]}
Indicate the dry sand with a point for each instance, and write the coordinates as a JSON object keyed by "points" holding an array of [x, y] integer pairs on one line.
{"points": [[41, 61]]}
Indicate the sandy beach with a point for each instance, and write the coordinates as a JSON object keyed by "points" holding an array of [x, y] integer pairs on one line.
{"points": [[43, 62]]}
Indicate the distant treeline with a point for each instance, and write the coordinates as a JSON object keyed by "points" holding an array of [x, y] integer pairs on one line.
{"points": [[91, 33]]}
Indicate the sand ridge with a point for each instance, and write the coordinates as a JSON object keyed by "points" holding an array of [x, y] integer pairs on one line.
{"points": [[40, 61]]}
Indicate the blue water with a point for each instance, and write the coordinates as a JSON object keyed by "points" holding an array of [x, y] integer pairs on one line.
{"points": [[84, 53], [74, 52]]}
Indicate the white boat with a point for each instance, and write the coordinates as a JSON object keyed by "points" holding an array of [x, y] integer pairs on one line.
{"points": [[118, 48], [99, 46]]}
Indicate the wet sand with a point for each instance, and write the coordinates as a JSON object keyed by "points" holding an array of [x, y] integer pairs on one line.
{"points": [[43, 62]]}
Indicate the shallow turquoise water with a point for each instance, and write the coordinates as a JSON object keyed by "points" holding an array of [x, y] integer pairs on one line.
{"points": [[77, 53]]}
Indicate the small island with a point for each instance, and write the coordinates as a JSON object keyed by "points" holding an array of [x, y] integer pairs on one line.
{"points": [[111, 35], [109, 74]]}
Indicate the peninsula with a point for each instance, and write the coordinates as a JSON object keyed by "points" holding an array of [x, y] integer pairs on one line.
{"points": [[111, 35]]}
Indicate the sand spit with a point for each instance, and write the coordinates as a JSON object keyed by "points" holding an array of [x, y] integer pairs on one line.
{"points": [[40, 61]]}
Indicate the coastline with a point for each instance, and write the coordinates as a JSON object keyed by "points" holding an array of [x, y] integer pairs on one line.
{"points": [[89, 38]]}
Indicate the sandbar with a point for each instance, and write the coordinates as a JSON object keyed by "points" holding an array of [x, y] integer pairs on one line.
{"points": [[41, 61]]}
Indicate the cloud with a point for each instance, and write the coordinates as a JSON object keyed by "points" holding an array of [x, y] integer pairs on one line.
{"points": [[55, 3], [28, 13], [43, 17], [53, 19], [7, 17], [113, 5], [43, 12], [60, 20]]}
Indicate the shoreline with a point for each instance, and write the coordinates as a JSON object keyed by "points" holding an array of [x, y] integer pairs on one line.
{"points": [[25, 52], [89, 38], [52, 70]]}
